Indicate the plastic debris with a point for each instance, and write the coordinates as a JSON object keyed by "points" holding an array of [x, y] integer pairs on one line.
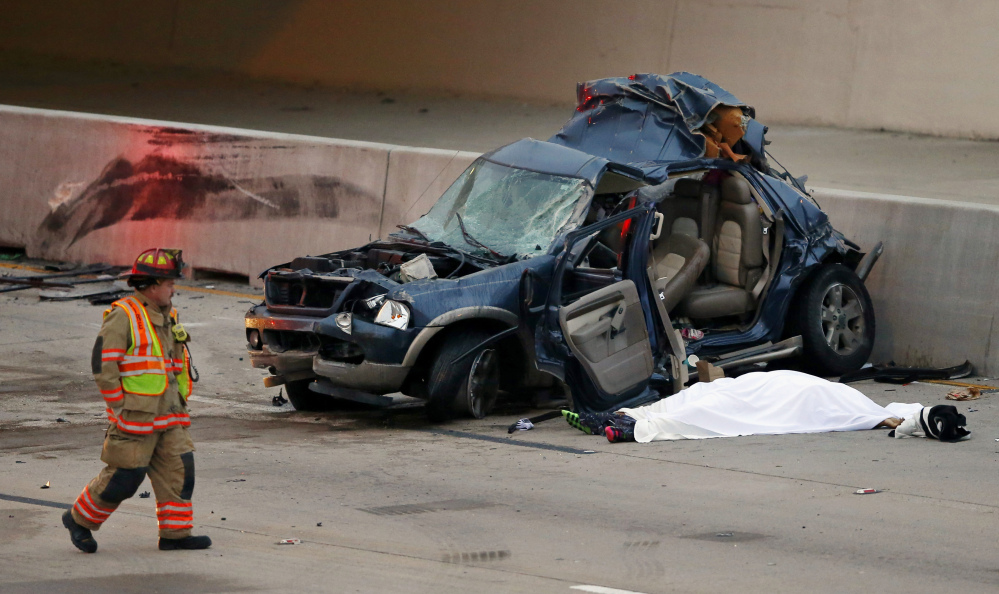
{"points": [[691, 333], [289, 541], [61, 420], [319, 524], [418, 268], [47, 485], [144, 495], [866, 491]]}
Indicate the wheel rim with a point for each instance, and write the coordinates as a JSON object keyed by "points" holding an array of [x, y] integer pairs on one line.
{"points": [[483, 383], [843, 319]]}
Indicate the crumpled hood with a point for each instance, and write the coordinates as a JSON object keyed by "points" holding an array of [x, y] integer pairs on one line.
{"points": [[649, 118]]}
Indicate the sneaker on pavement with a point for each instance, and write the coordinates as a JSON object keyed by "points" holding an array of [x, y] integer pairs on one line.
{"points": [[82, 538], [189, 543]]}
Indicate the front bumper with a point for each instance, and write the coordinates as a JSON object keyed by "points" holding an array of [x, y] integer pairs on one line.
{"points": [[377, 378], [295, 344], [288, 344]]}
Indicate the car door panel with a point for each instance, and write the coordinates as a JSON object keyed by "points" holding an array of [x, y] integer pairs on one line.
{"points": [[615, 353]]}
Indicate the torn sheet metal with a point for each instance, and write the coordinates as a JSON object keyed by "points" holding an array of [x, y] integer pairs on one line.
{"points": [[655, 118], [892, 374]]}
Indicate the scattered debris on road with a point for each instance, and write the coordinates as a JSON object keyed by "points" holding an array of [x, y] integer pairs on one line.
{"points": [[527, 424], [47, 485], [965, 394], [895, 374], [866, 491], [287, 541], [144, 495], [278, 400]]}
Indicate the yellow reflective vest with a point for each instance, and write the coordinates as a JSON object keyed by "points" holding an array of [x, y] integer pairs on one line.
{"points": [[143, 366]]}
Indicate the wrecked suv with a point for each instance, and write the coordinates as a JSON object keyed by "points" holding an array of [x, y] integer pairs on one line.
{"points": [[650, 228]]}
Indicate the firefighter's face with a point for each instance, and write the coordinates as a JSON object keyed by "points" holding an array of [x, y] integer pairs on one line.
{"points": [[161, 293]]}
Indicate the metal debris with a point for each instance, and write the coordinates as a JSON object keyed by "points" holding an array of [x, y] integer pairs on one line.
{"points": [[279, 400]]}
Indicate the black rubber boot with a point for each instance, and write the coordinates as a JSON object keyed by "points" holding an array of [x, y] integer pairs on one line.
{"points": [[190, 543], [82, 538]]}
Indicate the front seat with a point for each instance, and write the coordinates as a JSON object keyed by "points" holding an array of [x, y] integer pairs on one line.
{"points": [[678, 261], [737, 257]]}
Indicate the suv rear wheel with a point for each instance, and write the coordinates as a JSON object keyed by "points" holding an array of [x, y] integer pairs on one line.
{"points": [[467, 387], [835, 317]]}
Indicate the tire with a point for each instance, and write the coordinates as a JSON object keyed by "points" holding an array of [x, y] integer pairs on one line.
{"points": [[304, 399], [467, 388], [835, 318]]}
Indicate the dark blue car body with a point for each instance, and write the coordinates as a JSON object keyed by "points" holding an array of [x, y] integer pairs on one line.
{"points": [[641, 128]]}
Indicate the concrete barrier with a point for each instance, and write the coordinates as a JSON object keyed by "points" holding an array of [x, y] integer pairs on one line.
{"points": [[934, 288], [416, 179], [93, 188]]}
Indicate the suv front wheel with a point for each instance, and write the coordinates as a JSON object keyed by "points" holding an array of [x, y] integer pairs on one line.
{"points": [[835, 318], [467, 387]]}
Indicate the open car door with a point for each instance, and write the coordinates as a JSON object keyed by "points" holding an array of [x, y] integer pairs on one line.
{"points": [[593, 331]]}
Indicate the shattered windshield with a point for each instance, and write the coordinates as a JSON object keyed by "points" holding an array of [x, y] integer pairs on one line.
{"points": [[506, 210]]}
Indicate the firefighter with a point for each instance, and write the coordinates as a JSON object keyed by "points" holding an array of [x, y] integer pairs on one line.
{"points": [[142, 367]]}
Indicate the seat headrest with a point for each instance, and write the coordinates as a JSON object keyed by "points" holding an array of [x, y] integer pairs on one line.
{"points": [[736, 189], [687, 187]]}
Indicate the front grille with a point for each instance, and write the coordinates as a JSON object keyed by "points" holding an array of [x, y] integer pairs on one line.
{"points": [[310, 295], [279, 341], [345, 351]]}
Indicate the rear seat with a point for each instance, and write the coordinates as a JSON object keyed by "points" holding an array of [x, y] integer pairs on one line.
{"points": [[736, 257]]}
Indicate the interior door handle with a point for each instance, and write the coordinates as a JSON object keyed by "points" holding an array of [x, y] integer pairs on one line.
{"points": [[617, 320]]}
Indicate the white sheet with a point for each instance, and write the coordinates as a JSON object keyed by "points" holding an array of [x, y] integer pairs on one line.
{"points": [[763, 403]]}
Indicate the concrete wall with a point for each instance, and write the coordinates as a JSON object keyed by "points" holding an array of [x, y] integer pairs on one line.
{"points": [[101, 189], [912, 66], [934, 287]]}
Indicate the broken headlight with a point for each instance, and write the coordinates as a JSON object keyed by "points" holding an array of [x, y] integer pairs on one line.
{"points": [[393, 314], [373, 302]]}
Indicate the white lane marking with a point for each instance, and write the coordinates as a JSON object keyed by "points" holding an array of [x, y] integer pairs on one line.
{"points": [[603, 590]]}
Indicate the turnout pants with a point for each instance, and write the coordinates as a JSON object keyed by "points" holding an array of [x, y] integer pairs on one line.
{"points": [[166, 456]]}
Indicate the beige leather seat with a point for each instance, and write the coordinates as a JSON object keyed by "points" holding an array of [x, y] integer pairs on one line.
{"points": [[678, 256], [682, 208], [737, 257], [678, 261]]}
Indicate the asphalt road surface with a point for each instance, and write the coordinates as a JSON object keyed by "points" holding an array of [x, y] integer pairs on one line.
{"points": [[384, 501]]}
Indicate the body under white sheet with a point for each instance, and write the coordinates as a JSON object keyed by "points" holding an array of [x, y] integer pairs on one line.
{"points": [[763, 403]]}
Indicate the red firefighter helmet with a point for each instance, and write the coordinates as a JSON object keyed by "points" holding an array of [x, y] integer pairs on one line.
{"points": [[157, 263]]}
